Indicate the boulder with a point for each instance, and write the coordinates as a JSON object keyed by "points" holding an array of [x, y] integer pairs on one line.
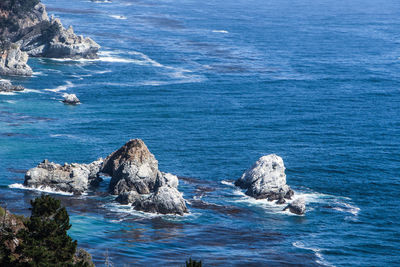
{"points": [[14, 62], [136, 180], [74, 178], [266, 179], [71, 99], [166, 200], [298, 206], [7, 86]]}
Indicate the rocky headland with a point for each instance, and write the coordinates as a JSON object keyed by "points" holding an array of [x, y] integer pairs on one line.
{"points": [[135, 179], [26, 23], [266, 179]]}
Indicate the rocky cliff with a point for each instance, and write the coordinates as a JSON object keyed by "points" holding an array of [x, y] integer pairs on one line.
{"points": [[26, 23]]}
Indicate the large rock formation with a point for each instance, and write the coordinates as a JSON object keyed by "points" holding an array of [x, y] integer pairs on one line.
{"points": [[6, 86], [266, 179], [74, 178], [13, 61], [29, 26], [136, 180]]}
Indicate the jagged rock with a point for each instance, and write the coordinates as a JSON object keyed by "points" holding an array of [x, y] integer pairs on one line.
{"points": [[74, 178], [7, 86], [132, 167], [266, 179], [71, 99], [40, 36], [14, 62], [136, 180], [298, 206]]}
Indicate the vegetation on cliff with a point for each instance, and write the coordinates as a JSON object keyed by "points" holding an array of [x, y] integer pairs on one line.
{"points": [[40, 240]]}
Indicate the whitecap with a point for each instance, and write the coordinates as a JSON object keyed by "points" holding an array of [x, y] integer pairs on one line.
{"points": [[228, 183], [31, 91], [317, 252], [7, 93], [11, 101], [45, 189], [61, 87], [220, 31], [38, 73], [118, 17]]}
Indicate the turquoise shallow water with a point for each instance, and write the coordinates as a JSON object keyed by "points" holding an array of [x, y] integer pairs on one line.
{"points": [[210, 87]]}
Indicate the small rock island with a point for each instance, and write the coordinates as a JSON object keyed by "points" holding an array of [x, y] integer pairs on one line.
{"points": [[266, 179]]}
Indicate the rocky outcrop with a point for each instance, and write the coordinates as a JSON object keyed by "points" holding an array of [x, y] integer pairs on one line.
{"points": [[74, 178], [14, 62], [7, 86], [71, 99], [41, 36], [10, 224], [298, 206], [136, 180], [266, 179]]}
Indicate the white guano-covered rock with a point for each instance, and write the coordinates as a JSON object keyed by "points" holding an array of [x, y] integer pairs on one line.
{"points": [[266, 179], [71, 99]]}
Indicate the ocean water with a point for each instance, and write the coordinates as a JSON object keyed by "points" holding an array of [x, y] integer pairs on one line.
{"points": [[211, 86]]}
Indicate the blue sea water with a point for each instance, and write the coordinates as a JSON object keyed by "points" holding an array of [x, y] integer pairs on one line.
{"points": [[211, 86]]}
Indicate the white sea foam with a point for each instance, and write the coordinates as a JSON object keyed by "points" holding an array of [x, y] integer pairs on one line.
{"points": [[128, 209], [11, 101], [346, 207], [38, 73], [118, 17], [220, 31], [7, 93], [228, 183], [317, 252], [61, 87], [31, 91], [45, 189]]}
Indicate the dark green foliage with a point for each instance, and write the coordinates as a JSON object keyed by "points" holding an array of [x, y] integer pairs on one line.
{"points": [[193, 263], [45, 239]]}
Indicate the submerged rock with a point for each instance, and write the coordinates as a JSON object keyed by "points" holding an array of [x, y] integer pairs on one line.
{"points": [[136, 180], [74, 178], [298, 206], [71, 99], [6, 86], [14, 62], [266, 179]]}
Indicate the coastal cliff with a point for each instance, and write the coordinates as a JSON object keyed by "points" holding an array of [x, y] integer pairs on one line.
{"points": [[26, 23]]}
